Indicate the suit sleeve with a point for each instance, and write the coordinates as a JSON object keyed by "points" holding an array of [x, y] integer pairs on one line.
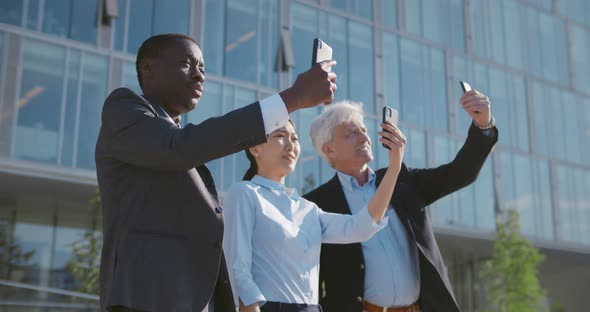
{"points": [[434, 183], [132, 133]]}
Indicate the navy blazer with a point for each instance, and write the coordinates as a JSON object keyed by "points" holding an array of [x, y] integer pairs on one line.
{"points": [[342, 276], [162, 220]]}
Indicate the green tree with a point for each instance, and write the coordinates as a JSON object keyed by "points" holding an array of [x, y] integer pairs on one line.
{"points": [[511, 275], [85, 261]]}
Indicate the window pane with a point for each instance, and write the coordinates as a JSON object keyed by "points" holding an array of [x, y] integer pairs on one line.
{"points": [[389, 13], [171, 16], [213, 43], [361, 53], [56, 18], [130, 77], [241, 40], [338, 39], [268, 26], [71, 113], [391, 71], [11, 12], [305, 29], [362, 8], [580, 49], [32, 15], [84, 20], [119, 26], [140, 23], [94, 85], [37, 131]]}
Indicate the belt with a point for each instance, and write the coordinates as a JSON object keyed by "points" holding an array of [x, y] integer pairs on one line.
{"points": [[369, 307]]}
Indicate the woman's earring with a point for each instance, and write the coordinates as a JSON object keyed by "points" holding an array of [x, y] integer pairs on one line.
{"points": [[256, 154]]}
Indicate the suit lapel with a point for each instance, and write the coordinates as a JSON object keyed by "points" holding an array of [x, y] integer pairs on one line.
{"points": [[339, 199]]}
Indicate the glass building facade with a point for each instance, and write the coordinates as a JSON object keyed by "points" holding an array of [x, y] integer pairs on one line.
{"points": [[59, 59]]}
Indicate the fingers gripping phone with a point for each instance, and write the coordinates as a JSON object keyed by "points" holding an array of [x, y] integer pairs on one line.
{"points": [[321, 52], [391, 115], [466, 88]]}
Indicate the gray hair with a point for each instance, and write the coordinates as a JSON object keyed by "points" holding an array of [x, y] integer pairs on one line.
{"points": [[335, 114]]}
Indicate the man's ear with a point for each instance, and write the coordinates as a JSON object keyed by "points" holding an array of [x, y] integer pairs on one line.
{"points": [[146, 68], [328, 150]]}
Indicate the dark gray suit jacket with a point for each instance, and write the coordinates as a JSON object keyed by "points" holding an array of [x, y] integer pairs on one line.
{"points": [[162, 220]]}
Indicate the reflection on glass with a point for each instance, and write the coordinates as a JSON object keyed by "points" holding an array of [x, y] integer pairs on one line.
{"points": [[140, 23], [33, 15], [93, 93], [56, 17], [11, 12], [241, 40], [389, 13], [39, 103], [580, 49], [213, 42], [391, 71]]}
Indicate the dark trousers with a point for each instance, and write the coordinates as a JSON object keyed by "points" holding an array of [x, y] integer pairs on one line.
{"points": [[289, 307]]}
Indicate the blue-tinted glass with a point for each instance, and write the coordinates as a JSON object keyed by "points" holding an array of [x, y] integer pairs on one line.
{"points": [[309, 160], [140, 23], [496, 15], [483, 201], [524, 194], [241, 39], [94, 86], [269, 42], [391, 71], [32, 15], [542, 204], [56, 17], [130, 77], [71, 110], [534, 58], [584, 115], [520, 120], [210, 105], [305, 29], [557, 121], [514, 15], [462, 71], [433, 13], [213, 42], [571, 131], [548, 40], [363, 8], [457, 24], [389, 13], [338, 40], [540, 118], [499, 98], [412, 82], [580, 49], [362, 87], [11, 12], [415, 150], [39, 104], [171, 16], [84, 21], [566, 219], [436, 113], [413, 17], [119, 26]]}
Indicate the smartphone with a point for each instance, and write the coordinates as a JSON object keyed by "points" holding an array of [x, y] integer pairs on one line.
{"points": [[465, 86], [390, 114], [321, 52]]}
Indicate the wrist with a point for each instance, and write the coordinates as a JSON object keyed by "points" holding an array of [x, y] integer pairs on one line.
{"points": [[490, 124], [289, 97]]}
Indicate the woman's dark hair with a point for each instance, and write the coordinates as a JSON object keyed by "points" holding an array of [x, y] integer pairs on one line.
{"points": [[253, 170]]}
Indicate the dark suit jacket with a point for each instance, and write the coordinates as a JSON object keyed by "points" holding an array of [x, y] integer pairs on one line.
{"points": [[342, 266], [162, 221]]}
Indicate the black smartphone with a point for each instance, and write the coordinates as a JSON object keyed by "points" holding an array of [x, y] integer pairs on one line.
{"points": [[465, 86], [391, 115], [321, 52]]}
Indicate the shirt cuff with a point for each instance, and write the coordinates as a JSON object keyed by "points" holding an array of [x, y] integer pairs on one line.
{"points": [[252, 294], [274, 113]]}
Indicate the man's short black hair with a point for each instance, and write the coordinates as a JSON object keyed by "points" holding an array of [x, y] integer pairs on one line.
{"points": [[152, 47]]}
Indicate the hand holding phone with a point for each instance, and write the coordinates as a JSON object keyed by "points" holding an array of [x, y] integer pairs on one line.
{"points": [[466, 88], [391, 115], [321, 52]]}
